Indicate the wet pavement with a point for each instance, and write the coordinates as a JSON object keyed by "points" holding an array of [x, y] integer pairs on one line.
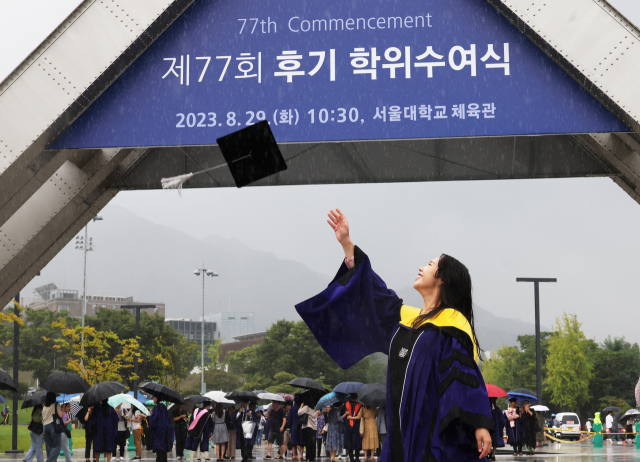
{"points": [[577, 452]]}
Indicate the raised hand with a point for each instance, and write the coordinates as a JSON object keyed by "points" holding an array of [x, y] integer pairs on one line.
{"points": [[338, 222]]}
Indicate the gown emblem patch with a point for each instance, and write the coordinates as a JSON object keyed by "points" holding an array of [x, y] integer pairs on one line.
{"points": [[403, 352]]}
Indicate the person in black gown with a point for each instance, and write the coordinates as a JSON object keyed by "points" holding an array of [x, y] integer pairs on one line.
{"points": [[437, 403]]}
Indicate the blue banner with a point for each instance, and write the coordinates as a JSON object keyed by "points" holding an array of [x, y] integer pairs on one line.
{"points": [[336, 71]]}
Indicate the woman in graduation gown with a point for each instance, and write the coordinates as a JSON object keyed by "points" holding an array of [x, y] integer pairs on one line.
{"points": [[437, 403], [160, 425], [499, 422], [199, 431], [106, 425]]}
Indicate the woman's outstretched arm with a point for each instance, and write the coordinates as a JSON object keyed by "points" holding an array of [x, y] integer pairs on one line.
{"points": [[338, 222], [356, 315]]}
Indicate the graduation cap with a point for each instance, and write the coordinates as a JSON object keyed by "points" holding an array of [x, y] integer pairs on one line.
{"points": [[251, 154]]}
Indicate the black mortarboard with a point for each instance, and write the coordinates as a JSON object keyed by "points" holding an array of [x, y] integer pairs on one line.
{"points": [[251, 153]]}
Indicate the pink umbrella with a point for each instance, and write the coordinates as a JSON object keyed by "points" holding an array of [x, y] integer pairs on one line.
{"points": [[638, 393]]}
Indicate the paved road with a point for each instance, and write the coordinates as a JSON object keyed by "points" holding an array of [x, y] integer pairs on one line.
{"points": [[580, 452]]}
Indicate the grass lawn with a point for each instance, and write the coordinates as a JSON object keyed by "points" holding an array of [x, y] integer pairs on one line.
{"points": [[24, 439]]}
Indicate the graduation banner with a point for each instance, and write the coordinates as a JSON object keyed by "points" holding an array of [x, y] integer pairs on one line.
{"points": [[338, 71]]}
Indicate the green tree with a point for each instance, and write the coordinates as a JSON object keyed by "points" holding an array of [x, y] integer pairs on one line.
{"points": [[154, 338], [213, 353], [513, 367], [100, 357], [569, 369], [615, 373], [290, 348], [36, 339]]}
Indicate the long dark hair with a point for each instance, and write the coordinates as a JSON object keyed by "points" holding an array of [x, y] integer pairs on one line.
{"points": [[50, 398], [219, 410], [455, 292]]}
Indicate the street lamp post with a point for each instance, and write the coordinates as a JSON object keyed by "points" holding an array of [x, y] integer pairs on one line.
{"points": [[135, 359], [86, 245], [536, 290], [204, 272]]}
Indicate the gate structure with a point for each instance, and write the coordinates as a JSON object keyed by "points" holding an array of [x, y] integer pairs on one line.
{"points": [[125, 92]]}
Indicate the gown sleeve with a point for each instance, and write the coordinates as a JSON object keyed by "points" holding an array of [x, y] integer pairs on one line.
{"points": [[355, 316], [463, 402]]}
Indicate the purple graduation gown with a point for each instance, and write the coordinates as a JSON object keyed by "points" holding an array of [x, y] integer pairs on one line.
{"points": [[435, 391], [106, 427], [201, 433], [160, 425], [293, 419], [499, 422], [239, 417]]}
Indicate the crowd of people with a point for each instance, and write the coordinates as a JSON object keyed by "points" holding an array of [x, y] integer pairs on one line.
{"points": [[292, 428], [336, 431]]}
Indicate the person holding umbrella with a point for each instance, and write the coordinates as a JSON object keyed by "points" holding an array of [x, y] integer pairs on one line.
{"points": [[199, 431], [499, 422], [370, 434], [436, 394], [35, 431], [180, 422], [353, 416], [160, 426], [52, 439], [333, 419], [277, 421], [309, 429], [514, 429], [87, 418], [106, 430], [220, 436], [245, 444], [529, 427]]}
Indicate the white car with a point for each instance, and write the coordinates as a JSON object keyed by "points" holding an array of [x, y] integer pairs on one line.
{"points": [[568, 425]]}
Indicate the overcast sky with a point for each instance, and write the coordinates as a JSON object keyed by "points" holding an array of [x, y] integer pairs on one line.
{"points": [[582, 231]]}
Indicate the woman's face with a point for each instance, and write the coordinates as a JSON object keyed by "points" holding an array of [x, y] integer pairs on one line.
{"points": [[426, 280]]}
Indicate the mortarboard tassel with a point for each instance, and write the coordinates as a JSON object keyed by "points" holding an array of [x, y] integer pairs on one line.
{"points": [[176, 182]]}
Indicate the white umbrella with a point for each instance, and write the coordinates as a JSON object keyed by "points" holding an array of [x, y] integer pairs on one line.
{"points": [[632, 412], [271, 397], [539, 408], [218, 397]]}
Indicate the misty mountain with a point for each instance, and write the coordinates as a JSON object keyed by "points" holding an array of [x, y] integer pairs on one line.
{"points": [[154, 263]]}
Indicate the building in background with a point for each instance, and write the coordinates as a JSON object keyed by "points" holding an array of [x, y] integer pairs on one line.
{"points": [[232, 324], [192, 330], [51, 298], [240, 342]]}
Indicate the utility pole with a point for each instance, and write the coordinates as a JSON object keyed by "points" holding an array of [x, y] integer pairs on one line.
{"points": [[204, 272], [135, 359], [536, 290], [86, 245], [16, 344]]}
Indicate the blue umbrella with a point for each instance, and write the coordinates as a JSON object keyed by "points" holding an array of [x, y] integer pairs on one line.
{"points": [[2, 400], [141, 396], [329, 400], [348, 387], [522, 393], [66, 398]]}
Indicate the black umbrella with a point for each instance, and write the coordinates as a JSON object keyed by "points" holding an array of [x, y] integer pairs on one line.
{"points": [[100, 392], [6, 382], [162, 392], [65, 382], [241, 395], [373, 394], [303, 382], [259, 392], [34, 400], [610, 409], [198, 399]]}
